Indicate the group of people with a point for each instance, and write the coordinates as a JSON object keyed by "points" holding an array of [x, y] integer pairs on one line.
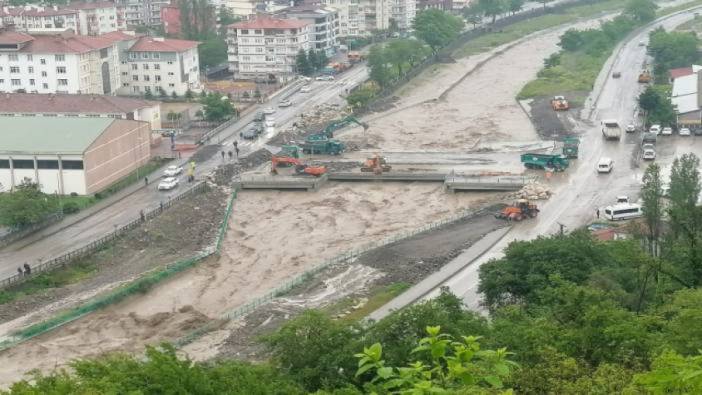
{"points": [[27, 270], [230, 153]]}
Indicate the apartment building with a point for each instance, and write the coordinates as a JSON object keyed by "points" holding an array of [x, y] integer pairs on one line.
{"points": [[85, 18], [403, 13], [62, 63], [241, 8], [362, 17], [97, 17], [324, 25], [266, 47], [141, 12], [160, 66]]}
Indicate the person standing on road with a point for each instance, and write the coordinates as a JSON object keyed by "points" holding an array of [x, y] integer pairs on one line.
{"points": [[222, 155], [598, 213], [230, 154], [235, 143], [142, 216], [19, 270], [146, 181], [27, 269], [236, 149]]}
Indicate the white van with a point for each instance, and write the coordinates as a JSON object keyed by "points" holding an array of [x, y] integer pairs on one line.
{"points": [[623, 211], [605, 165]]}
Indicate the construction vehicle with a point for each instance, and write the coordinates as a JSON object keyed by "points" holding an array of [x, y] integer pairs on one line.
{"points": [[376, 164], [300, 168], [645, 77], [320, 144], [545, 161], [355, 57], [570, 147], [333, 126], [291, 151], [559, 103], [611, 129], [520, 210]]}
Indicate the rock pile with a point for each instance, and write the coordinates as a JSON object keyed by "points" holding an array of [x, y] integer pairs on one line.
{"points": [[320, 115], [533, 191]]}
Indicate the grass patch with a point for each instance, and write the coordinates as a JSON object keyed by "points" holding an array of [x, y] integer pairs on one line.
{"points": [[577, 72], [54, 279], [379, 296], [520, 29]]}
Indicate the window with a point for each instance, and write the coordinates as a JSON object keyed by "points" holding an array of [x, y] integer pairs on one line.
{"points": [[61, 70], [244, 31], [133, 55], [157, 66], [147, 89], [31, 70], [257, 31], [30, 58], [135, 66], [144, 55], [45, 85], [12, 57], [31, 82], [171, 85], [125, 73], [23, 163], [43, 73], [42, 61], [146, 78], [72, 164], [47, 164], [259, 50], [4, 163], [146, 66], [60, 58], [156, 55], [157, 78], [125, 84], [170, 73], [14, 69], [170, 62], [135, 78], [16, 82], [2, 81], [135, 89], [63, 82]]}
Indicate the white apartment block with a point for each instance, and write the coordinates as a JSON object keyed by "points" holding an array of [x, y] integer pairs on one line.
{"points": [[266, 47], [324, 25], [57, 64], [141, 12], [403, 12], [241, 8], [361, 17], [156, 65], [85, 18]]}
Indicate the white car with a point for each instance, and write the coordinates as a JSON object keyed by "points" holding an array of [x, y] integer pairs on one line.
{"points": [[325, 78], [655, 129], [684, 132], [167, 184], [172, 171], [269, 110], [622, 199], [305, 89], [605, 165], [270, 122], [667, 131], [630, 128], [649, 152], [285, 103]]}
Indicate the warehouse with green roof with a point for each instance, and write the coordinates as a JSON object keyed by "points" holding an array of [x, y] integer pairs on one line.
{"points": [[67, 155]]}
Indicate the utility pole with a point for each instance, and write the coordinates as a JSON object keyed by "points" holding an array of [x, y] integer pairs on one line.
{"points": [[561, 226]]}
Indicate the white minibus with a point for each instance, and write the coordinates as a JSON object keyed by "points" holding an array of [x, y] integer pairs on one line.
{"points": [[623, 211]]}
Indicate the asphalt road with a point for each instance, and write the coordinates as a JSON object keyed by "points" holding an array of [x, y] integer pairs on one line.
{"points": [[581, 190], [126, 210]]}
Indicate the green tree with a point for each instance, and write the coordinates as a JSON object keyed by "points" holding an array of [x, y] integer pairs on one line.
{"points": [[671, 373], [492, 8], [217, 108], [148, 95], [685, 216], [671, 50], [472, 14], [212, 52], [641, 10], [405, 52], [437, 28], [362, 96], [302, 63], [651, 194], [380, 67], [26, 205], [515, 6]]}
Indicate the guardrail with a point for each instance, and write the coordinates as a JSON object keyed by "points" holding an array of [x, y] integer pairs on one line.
{"points": [[93, 246]]}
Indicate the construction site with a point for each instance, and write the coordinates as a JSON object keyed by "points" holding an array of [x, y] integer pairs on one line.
{"points": [[444, 148]]}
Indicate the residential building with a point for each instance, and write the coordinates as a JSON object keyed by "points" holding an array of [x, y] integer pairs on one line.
{"points": [[156, 65], [142, 12], [242, 8], [686, 97], [71, 155], [362, 17], [324, 25], [85, 18], [170, 19], [81, 106], [444, 5], [97, 17], [62, 63], [266, 47], [403, 13]]}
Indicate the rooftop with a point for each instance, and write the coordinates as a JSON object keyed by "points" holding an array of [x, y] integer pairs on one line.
{"points": [[44, 135], [158, 44], [65, 103], [85, 5], [265, 22], [685, 85], [62, 42]]}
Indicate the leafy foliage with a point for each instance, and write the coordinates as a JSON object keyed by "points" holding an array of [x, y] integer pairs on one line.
{"points": [[217, 108], [362, 96], [671, 50], [641, 10], [437, 28], [26, 205]]}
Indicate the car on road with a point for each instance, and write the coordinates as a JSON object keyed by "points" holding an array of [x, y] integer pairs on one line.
{"points": [[285, 103], [172, 171], [697, 131], [269, 110], [168, 132], [616, 74], [305, 89], [684, 132], [649, 137], [649, 152], [622, 199], [630, 128], [325, 78], [605, 165], [655, 129], [270, 122], [667, 131], [249, 134], [259, 117], [642, 43], [167, 184]]}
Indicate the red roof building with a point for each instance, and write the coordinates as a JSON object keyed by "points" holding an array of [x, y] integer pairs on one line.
{"points": [[265, 22], [160, 44], [681, 72]]}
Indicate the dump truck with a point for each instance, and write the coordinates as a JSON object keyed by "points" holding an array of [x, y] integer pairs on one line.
{"points": [[520, 210], [645, 77], [545, 161], [611, 129], [320, 144], [570, 147], [559, 103]]}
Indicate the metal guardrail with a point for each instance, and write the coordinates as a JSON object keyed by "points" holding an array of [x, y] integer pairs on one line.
{"points": [[93, 246]]}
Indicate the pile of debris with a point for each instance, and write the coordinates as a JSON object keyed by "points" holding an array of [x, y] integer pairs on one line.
{"points": [[321, 115], [533, 191]]}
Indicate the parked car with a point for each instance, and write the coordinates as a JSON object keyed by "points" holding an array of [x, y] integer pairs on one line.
{"points": [[168, 132], [630, 128], [622, 199], [172, 171], [655, 129], [249, 134], [649, 138], [649, 152], [684, 132], [269, 110], [325, 78], [285, 103], [270, 122], [667, 131], [305, 89], [167, 184], [259, 117], [605, 165]]}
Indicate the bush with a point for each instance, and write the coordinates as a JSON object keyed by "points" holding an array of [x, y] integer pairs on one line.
{"points": [[98, 195], [70, 208]]}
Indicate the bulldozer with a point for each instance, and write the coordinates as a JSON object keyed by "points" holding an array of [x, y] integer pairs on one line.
{"points": [[376, 164], [645, 77], [300, 168], [559, 103], [520, 210]]}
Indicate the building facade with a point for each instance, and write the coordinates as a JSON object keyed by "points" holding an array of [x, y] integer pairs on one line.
{"points": [[71, 155], [359, 18], [97, 17], [324, 26], [141, 12], [58, 64], [266, 48], [241, 8], [403, 13], [81, 106], [84, 18]]}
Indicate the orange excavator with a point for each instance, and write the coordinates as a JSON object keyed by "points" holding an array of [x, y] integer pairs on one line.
{"points": [[559, 103], [521, 209], [300, 168], [377, 164]]}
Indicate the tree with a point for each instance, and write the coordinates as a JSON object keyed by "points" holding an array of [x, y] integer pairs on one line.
{"points": [[379, 66], [362, 96], [642, 11], [302, 63], [651, 194], [671, 373], [212, 52], [437, 28], [217, 108], [656, 104], [685, 216], [189, 94], [515, 6], [26, 205], [403, 52], [491, 8], [472, 14], [148, 95], [670, 50]]}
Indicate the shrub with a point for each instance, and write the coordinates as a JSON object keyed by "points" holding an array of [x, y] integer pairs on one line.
{"points": [[70, 208]]}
